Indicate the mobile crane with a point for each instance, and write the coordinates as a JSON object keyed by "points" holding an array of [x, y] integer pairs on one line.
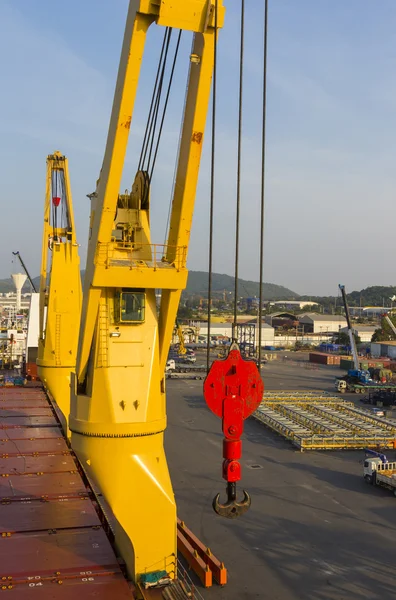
{"points": [[118, 402], [26, 271], [391, 325], [60, 287], [182, 348], [355, 375]]}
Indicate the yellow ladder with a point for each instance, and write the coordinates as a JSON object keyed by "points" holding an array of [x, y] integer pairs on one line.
{"points": [[103, 336], [58, 361]]}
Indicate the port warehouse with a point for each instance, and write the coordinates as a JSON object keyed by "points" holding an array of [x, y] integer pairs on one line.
{"points": [[320, 421], [309, 328], [284, 329], [388, 349]]}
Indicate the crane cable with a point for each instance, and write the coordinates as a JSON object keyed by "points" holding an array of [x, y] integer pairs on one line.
{"points": [[54, 184], [239, 155], [166, 103], [262, 206], [154, 97], [151, 140], [212, 182], [157, 105], [58, 191], [238, 199]]}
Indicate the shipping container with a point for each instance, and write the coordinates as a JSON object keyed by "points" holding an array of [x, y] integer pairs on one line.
{"points": [[324, 359], [346, 364], [319, 358]]}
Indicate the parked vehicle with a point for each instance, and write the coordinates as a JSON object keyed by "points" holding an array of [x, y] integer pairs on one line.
{"points": [[184, 371], [378, 412], [378, 472]]}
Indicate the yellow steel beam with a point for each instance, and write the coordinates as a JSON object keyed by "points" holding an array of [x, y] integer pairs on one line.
{"points": [[60, 295], [118, 403]]}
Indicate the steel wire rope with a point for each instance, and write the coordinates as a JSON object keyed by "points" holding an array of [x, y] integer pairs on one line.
{"points": [[262, 205], [157, 105], [149, 165], [176, 162], [54, 194], [62, 200], [64, 211], [165, 106], [157, 100], [239, 156], [212, 181], [153, 97]]}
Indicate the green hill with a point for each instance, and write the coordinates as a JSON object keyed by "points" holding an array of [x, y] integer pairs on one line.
{"points": [[197, 285], [376, 295], [7, 285]]}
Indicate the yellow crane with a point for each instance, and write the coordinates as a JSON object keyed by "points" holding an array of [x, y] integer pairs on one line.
{"points": [[182, 348], [118, 403], [60, 287]]}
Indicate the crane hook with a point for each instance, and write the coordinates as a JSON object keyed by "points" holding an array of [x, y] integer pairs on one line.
{"points": [[232, 509]]}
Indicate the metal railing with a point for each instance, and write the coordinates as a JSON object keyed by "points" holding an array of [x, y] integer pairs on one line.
{"points": [[136, 255]]}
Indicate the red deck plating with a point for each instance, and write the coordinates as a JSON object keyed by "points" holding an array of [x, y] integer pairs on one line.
{"points": [[52, 544]]}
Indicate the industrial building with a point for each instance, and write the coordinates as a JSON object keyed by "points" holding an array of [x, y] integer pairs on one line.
{"points": [[9, 300], [364, 332], [383, 349], [281, 319], [225, 329], [294, 304], [315, 323]]}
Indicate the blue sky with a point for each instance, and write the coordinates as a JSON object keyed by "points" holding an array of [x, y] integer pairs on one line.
{"points": [[331, 150]]}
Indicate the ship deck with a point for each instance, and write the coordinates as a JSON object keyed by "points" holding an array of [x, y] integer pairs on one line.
{"points": [[53, 543]]}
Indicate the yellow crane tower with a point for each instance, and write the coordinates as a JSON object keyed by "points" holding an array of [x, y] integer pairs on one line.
{"points": [[60, 287], [118, 404], [182, 348]]}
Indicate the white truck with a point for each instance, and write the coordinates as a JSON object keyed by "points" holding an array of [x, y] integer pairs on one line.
{"points": [[170, 365], [175, 370], [378, 472]]}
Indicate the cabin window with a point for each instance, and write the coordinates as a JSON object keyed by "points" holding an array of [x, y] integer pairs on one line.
{"points": [[130, 307]]}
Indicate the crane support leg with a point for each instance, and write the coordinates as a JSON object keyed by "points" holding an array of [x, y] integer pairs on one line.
{"points": [[117, 432]]}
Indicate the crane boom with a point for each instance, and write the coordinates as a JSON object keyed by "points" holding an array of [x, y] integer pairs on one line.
{"points": [[118, 402], [60, 287], [182, 348], [391, 325], [350, 331], [26, 271]]}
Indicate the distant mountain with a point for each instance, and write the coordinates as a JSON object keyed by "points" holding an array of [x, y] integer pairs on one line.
{"points": [[376, 295], [197, 285], [7, 285]]}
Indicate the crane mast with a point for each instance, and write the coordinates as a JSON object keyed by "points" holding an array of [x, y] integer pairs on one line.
{"points": [[350, 331], [118, 401], [26, 271], [60, 287], [391, 325]]}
